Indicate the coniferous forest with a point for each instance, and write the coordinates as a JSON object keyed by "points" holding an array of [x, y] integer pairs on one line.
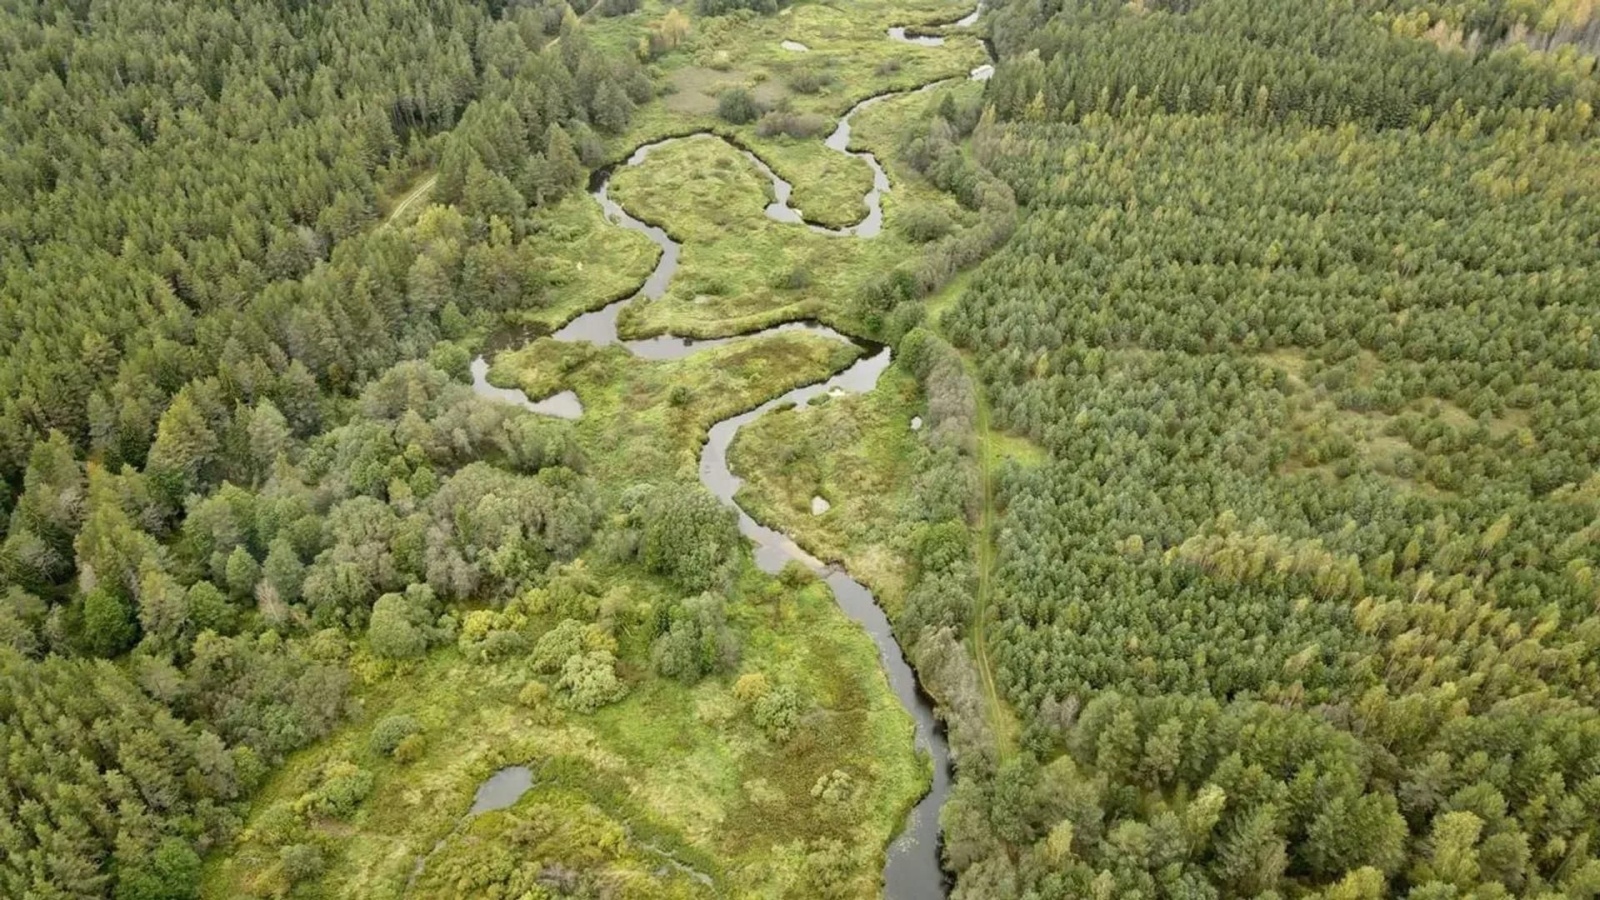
{"points": [[192, 292], [1302, 311], [1233, 489]]}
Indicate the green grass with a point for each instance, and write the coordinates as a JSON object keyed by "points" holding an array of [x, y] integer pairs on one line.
{"points": [[672, 771], [936, 305], [587, 261], [848, 44], [850, 58], [829, 186], [647, 419], [855, 452], [739, 270], [1015, 448]]}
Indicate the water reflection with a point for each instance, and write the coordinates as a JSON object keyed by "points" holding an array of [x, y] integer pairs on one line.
{"points": [[564, 405], [502, 789]]}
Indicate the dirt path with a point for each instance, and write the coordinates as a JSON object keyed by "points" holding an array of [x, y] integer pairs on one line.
{"points": [[415, 195], [1001, 720]]}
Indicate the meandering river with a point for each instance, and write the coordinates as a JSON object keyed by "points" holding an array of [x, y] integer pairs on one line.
{"points": [[912, 870]]}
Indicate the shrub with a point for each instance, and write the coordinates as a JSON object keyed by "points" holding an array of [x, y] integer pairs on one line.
{"points": [[300, 862], [738, 106], [796, 574], [725, 7], [556, 646], [834, 787], [697, 641], [793, 279], [829, 865], [778, 713], [504, 644], [589, 681], [389, 732], [809, 81], [278, 824], [408, 750], [344, 785], [924, 223], [793, 124], [750, 687], [535, 697], [534, 694]]}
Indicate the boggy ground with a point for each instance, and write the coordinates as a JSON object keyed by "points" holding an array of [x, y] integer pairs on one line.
{"points": [[852, 451], [673, 783], [740, 271], [673, 780], [849, 57], [646, 419], [587, 262]]}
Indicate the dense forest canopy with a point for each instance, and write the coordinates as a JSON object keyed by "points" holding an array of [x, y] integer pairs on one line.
{"points": [[1301, 307], [198, 457], [201, 182], [1322, 62]]}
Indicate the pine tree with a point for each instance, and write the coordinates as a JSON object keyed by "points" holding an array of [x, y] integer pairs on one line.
{"points": [[184, 449], [566, 170]]}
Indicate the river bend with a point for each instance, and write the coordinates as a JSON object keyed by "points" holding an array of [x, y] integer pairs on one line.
{"points": [[912, 870]]}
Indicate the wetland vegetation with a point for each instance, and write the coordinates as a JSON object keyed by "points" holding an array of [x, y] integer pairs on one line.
{"points": [[746, 449]]}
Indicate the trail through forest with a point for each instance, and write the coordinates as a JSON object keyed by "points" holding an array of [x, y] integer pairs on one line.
{"points": [[416, 194], [1001, 721]]}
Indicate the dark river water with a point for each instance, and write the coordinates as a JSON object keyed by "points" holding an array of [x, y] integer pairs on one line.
{"points": [[912, 870]]}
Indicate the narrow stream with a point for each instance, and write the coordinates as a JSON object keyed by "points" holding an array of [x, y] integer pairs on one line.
{"points": [[564, 405], [913, 870], [900, 32]]}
